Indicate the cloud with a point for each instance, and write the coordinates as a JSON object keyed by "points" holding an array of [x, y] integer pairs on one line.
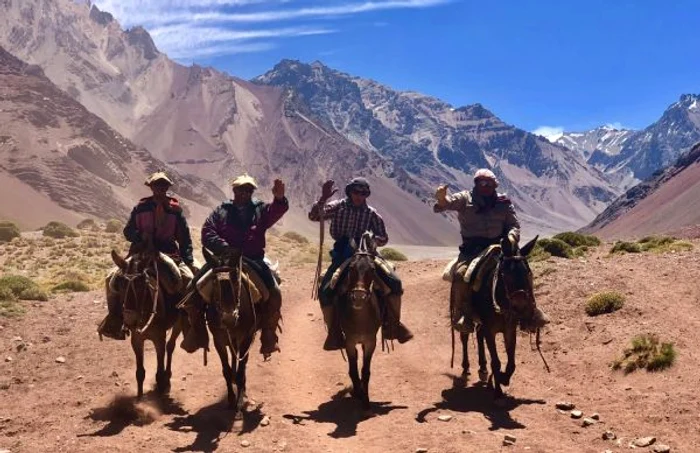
{"points": [[551, 133], [616, 125], [188, 28]]}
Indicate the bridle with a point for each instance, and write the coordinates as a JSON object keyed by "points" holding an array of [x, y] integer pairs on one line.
{"points": [[152, 287], [510, 292]]}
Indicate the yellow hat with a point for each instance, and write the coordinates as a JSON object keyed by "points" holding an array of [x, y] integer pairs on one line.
{"points": [[157, 176], [243, 180]]}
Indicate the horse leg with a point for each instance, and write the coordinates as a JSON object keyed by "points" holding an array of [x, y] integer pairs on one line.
{"points": [[490, 338], [510, 338], [353, 371], [462, 380], [240, 372], [162, 382], [220, 344], [170, 349], [367, 353], [483, 371], [137, 346]]}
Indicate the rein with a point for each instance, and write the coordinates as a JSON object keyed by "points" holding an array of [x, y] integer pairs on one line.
{"points": [[155, 291]]}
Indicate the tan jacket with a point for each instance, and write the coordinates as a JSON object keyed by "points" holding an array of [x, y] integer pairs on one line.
{"points": [[490, 223]]}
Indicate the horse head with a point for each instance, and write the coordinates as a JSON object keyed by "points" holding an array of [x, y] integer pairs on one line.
{"points": [[227, 273], [516, 277], [362, 275], [137, 284]]}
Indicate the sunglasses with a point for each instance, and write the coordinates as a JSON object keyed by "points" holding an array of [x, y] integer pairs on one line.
{"points": [[484, 183], [244, 189], [361, 193]]}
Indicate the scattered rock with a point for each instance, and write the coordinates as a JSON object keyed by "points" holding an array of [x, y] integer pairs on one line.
{"points": [[114, 374], [17, 339], [60, 359], [21, 347], [609, 435], [588, 422], [445, 418], [80, 377], [46, 339], [265, 421], [509, 438], [8, 359], [595, 416], [281, 445], [421, 450], [576, 414], [245, 443], [565, 406], [661, 448], [644, 441]]}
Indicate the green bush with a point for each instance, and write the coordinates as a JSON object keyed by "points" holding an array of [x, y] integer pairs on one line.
{"points": [[295, 237], [87, 224], [646, 352], [605, 302], [625, 247], [21, 288], [75, 286], [114, 226], [8, 231], [58, 230], [10, 308], [556, 247], [577, 239], [392, 254]]}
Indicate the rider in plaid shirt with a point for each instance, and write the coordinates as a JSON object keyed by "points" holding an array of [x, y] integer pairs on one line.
{"points": [[350, 217]]}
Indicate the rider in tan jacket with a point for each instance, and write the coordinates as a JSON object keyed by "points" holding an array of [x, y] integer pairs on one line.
{"points": [[485, 217]]}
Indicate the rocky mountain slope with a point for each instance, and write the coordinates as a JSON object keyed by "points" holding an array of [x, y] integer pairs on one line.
{"points": [[667, 202], [59, 161]]}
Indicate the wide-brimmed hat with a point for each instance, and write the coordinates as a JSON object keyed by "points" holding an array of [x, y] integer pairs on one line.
{"points": [[485, 173], [158, 176], [243, 180], [357, 184]]}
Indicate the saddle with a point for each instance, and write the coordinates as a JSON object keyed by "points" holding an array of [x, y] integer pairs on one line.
{"points": [[380, 262], [207, 285], [473, 272], [169, 275]]}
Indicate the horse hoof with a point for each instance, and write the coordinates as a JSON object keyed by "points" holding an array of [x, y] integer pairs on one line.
{"points": [[461, 381], [483, 376]]}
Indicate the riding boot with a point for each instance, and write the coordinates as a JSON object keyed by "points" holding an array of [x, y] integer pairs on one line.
{"points": [[392, 327], [461, 308], [270, 321], [113, 324], [335, 339], [196, 336]]}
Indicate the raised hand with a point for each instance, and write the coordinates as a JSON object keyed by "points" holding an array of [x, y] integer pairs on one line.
{"points": [[441, 195], [327, 190], [278, 189]]}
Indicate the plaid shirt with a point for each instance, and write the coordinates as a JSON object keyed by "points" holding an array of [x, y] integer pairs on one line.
{"points": [[351, 221]]}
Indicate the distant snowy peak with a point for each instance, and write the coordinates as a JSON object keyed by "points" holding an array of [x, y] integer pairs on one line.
{"points": [[607, 140]]}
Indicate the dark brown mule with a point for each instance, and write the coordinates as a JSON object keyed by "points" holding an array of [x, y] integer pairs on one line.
{"points": [[510, 284], [148, 314], [233, 321], [360, 314]]}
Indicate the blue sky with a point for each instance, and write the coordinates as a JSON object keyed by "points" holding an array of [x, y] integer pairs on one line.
{"points": [[561, 64]]}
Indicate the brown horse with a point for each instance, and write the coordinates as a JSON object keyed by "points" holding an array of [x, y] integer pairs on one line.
{"points": [[148, 312], [233, 321], [510, 286], [360, 314]]}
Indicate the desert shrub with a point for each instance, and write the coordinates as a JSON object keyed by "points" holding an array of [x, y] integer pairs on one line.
{"points": [[625, 247], [556, 247], [646, 352], [295, 237], [577, 239], [8, 231], [605, 302], [680, 246], [10, 308], [74, 286], [114, 226], [662, 244], [87, 224], [389, 253], [21, 288], [58, 230]]}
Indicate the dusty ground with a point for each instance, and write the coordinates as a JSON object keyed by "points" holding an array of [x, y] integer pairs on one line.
{"points": [[85, 404]]}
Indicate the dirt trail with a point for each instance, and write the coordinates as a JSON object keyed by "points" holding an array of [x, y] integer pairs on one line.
{"points": [[75, 406]]}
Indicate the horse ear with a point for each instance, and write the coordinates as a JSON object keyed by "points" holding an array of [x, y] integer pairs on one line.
{"points": [[506, 247], [118, 260], [527, 248]]}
